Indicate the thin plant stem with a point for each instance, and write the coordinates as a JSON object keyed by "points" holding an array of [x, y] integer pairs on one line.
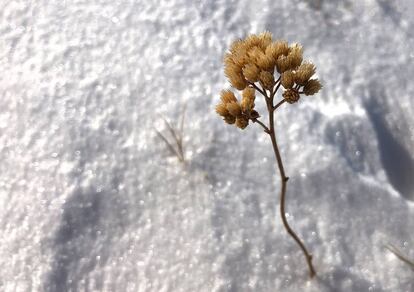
{"points": [[265, 128], [271, 109], [399, 255]]}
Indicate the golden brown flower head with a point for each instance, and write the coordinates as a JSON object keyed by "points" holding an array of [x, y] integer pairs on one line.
{"points": [[242, 122], [234, 109], [287, 79], [277, 49], [250, 65], [291, 61], [251, 72], [267, 80], [234, 73], [221, 109], [304, 73], [312, 87], [230, 119], [227, 96], [291, 95], [247, 102]]}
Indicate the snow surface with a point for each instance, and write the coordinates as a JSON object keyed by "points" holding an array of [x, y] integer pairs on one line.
{"points": [[91, 199]]}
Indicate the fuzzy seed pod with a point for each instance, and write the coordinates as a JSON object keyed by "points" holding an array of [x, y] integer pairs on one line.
{"points": [[247, 102], [227, 96], [233, 72], [238, 82], [304, 73], [252, 41], [266, 62], [249, 93], [295, 56], [251, 72], [287, 79], [255, 54], [312, 87], [291, 95], [267, 80], [221, 109], [265, 39], [230, 119], [242, 122], [282, 64], [240, 57], [234, 109], [236, 45], [277, 49]]}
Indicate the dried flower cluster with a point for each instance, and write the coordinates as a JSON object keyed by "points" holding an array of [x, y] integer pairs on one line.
{"points": [[251, 65], [235, 112], [255, 59]]}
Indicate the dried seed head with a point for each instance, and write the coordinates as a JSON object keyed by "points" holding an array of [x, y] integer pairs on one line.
{"points": [[240, 57], [254, 54], [267, 80], [287, 79], [277, 49], [291, 95], [249, 93], [312, 87], [265, 39], [254, 114], [291, 61], [236, 45], [242, 122], [295, 55], [233, 72], [230, 119], [251, 72], [266, 62], [222, 110], [254, 59], [239, 82], [304, 73], [234, 109], [227, 96], [282, 64], [262, 41], [247, 102]]}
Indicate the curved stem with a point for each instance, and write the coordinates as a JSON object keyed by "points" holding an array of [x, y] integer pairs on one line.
{"points": [[284, 180], [265, 128], [279, 104], [258, 89]]}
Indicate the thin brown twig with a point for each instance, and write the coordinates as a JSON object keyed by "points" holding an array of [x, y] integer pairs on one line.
{"points": [[271, 109], [266, 129], [279, 104], [258, 89]]}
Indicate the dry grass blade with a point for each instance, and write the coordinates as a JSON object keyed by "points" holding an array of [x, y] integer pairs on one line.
{"points": [[169, 146], [176, 147], [399, 255]]}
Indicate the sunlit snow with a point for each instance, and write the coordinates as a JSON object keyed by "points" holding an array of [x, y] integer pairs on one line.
{"points": [[91, 198]]}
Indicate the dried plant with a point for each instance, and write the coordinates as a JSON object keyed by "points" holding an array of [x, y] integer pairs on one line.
{"points": [[251, 66], [400, 256], [176, 147]]}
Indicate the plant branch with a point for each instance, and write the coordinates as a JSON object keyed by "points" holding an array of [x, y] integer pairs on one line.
{"points": [[284, 180], [266, 129], [258, 89], [279, 104]]}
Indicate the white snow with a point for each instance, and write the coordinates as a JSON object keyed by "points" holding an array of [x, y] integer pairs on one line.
{"points": [[91, 199]]}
